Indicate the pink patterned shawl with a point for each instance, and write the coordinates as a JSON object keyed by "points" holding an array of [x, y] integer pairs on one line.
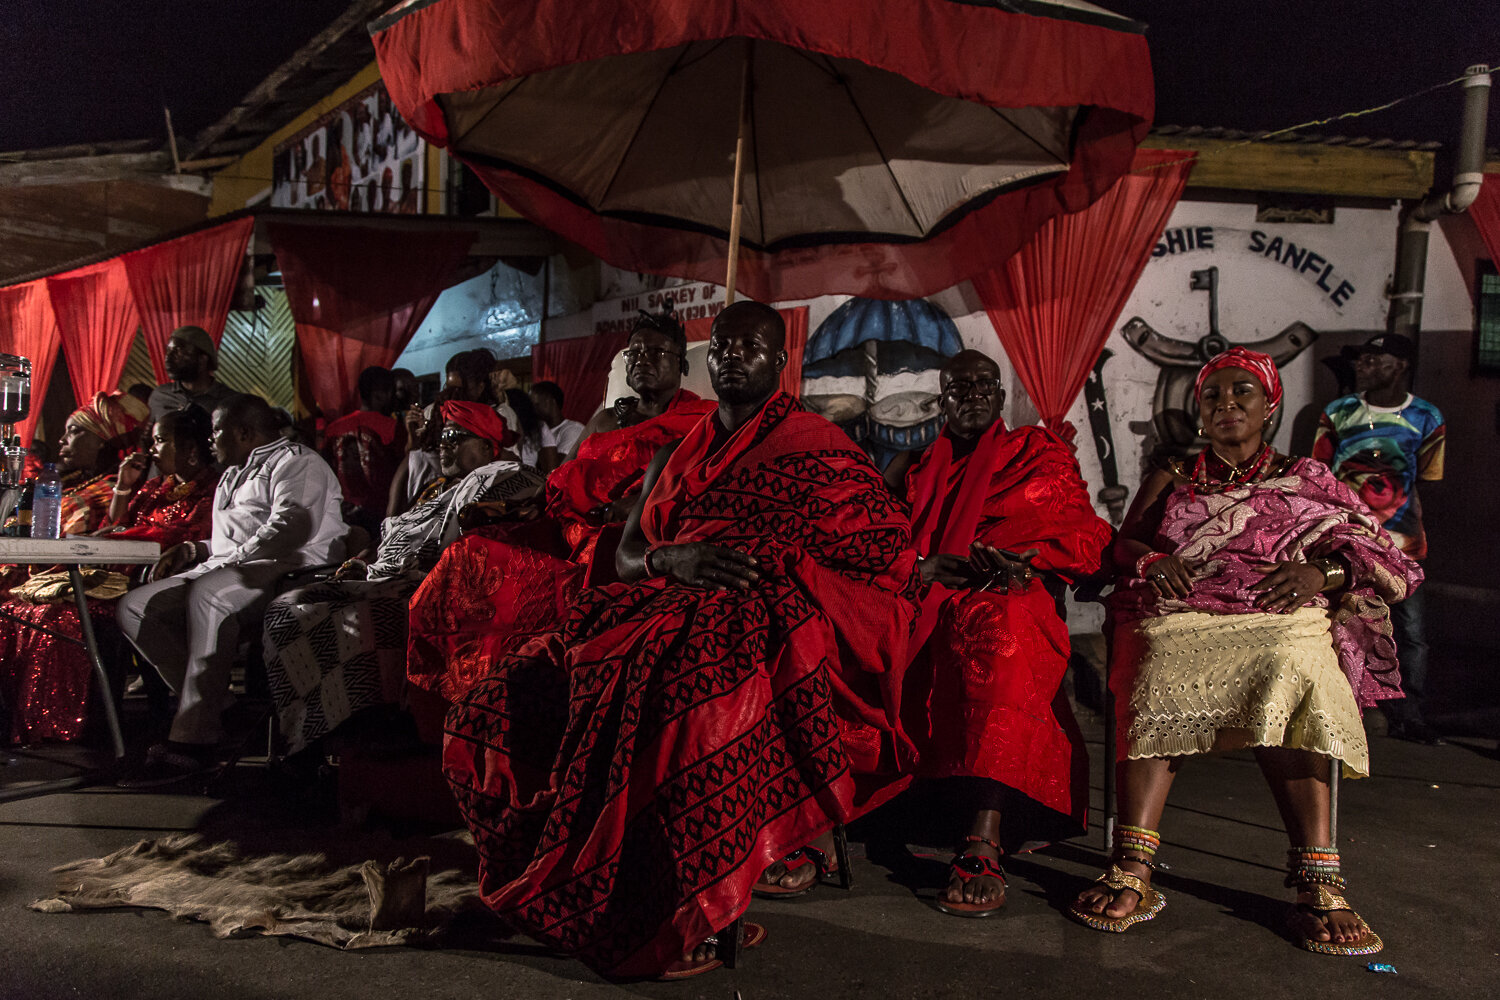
{"points": [[1303, 513]]}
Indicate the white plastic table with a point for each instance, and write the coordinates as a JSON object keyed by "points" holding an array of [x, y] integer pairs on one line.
{"points": [[73, 552]]}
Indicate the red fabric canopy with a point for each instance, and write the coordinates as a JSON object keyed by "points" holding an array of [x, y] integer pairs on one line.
{"points": [[1054, 304], [97, 320], [187, 281], [28, 328], [358, 296], [1052, 56], [1486, 214], [580, 367]]}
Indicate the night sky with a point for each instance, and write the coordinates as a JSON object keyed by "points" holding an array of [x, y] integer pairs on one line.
{"points": [[75, 71]]}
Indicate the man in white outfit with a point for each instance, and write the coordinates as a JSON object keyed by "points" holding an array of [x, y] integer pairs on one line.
{"points": [[276, 510]]}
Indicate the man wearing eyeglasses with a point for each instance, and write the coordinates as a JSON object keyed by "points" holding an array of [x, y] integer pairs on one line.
{"points": [[994, 511]]}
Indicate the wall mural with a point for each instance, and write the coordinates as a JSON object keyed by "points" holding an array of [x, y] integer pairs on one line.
{"points": [[360, 157], [872, 368], [1173, 429]]}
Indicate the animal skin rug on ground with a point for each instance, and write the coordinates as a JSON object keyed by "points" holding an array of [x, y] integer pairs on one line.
{"points": [[360, 906]]}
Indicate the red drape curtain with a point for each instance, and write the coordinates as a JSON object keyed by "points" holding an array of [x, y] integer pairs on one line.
{"points": [[1055, 302], [796, 342], [28, 328], [97, 320], [358, 296], [1486, 214], [187, 281], [580, 367]]}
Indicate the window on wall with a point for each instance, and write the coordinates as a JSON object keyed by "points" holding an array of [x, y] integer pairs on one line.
{"points": [[1487, 313]]}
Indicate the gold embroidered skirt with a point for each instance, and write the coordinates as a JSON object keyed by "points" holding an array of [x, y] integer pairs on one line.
{"points": [[1194, 682]]}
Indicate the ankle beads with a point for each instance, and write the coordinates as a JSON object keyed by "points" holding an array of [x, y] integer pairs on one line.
{"points": [[1316, 870], [1136, 843]]}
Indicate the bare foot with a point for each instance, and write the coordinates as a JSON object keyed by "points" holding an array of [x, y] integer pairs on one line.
{"points": [[981, 890], [779, 874], [1114, 903], [1337, 926]]}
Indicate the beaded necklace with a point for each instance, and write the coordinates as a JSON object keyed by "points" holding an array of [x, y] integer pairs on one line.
{"points": [[1213, 474]]}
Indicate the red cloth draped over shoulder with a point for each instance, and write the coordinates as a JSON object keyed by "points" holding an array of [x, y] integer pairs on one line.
{"points": [[983, 694], [628, 778], [610, 465]]}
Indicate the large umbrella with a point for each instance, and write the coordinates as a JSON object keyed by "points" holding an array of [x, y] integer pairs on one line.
{"points": [[886, 150]]}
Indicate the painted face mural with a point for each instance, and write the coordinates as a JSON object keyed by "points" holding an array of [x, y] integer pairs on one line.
{"points": [[872, 368]]}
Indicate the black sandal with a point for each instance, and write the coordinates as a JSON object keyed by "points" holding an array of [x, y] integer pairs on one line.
{"points": [[969, 867], [809, 855]]}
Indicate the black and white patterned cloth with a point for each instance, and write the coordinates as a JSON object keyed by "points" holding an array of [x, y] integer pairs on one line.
{"points": [[337, 647]]}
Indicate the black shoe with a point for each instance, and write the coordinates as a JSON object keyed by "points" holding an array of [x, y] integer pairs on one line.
{"points": [[170, 763], [1417, 732]]}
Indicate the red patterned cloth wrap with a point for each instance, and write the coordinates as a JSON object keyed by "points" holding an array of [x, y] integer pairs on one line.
{"points": [[364, 453], [490, 591], [480, 419], [1300, 514], [1262, 366], [984, 693], [46, 681], [610, 465], [629, 777]]}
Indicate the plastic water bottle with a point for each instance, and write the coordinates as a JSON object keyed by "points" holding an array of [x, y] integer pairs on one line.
{"points": [[46, 504]]}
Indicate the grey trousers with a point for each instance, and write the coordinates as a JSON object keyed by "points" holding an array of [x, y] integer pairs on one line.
{"points": [[188, 628]]}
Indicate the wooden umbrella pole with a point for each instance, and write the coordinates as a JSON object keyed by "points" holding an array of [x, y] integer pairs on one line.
{"points": [[737, 212]]}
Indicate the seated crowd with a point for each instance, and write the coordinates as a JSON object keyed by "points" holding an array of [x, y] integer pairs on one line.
{"points": [[674, 651]]}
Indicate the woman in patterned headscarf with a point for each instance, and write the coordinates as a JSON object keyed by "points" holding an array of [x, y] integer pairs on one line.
{"points": [[1251, 613], [94, 440]]}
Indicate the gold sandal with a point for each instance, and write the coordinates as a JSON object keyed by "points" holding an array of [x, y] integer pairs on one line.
{"points": [[1315, 870], [1147, 907]]}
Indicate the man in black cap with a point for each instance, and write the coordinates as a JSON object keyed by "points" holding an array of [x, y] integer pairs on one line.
{"points": [[192, 360], [1380, 441]]}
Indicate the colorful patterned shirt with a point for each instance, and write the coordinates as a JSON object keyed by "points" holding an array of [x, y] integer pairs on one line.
{"points": [[1381, 452]]}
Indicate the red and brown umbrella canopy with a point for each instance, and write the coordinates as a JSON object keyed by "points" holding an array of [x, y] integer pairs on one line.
{"points": [[891, 149]]}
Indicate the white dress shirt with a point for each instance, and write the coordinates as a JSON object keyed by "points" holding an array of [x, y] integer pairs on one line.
{"points": [[283, 504]]}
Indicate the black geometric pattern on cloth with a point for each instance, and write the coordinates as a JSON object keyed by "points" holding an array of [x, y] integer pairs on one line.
{"points": [[583, 724], [316, 681]]}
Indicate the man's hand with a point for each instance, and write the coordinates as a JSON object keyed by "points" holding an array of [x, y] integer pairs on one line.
{"points": [[699, 564], [1171, 577], [352, 569], [1005, 571], [1287, 586], [414, 424], [175, 560], [132, 470], [479, 514], [953, 572]]}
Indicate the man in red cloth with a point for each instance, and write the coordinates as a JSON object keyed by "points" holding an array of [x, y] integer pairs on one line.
{"points": [[364, 451], [992, 510], [629, 777], [473, 605], [601, 485]]}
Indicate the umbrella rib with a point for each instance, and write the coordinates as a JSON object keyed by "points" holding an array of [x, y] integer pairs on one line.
{"points": [[844, 82], [1033, 139], [620, 164]]}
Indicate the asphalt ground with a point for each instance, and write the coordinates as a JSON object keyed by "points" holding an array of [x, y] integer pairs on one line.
{"points": [[1418, 841]]}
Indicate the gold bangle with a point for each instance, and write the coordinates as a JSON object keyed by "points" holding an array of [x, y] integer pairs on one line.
{"points": [[1334, 573]]}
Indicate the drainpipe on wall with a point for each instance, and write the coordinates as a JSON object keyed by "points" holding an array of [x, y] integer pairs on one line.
{"points": [[1405, 316]]}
